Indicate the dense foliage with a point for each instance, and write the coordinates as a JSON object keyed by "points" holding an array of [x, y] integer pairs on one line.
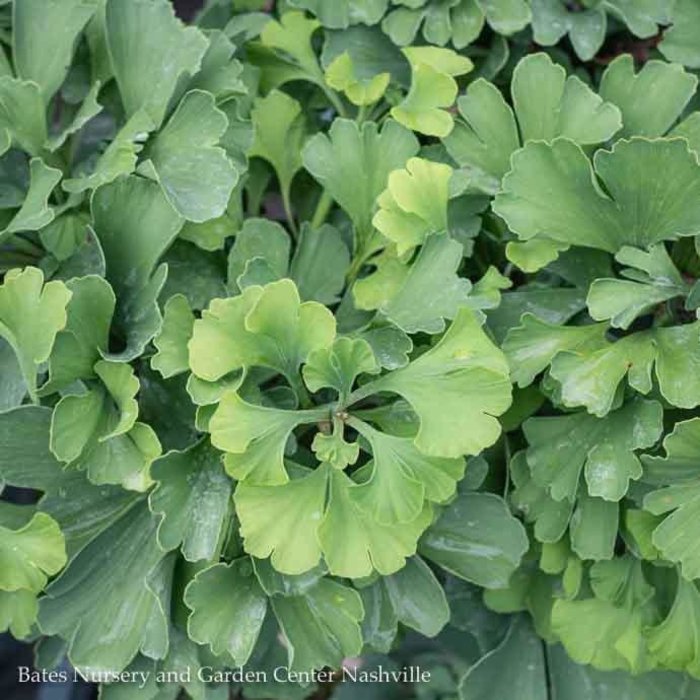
{"points": [[353, 328]]}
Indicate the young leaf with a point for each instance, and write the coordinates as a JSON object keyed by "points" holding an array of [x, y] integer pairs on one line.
{"points": [[172, 357]]}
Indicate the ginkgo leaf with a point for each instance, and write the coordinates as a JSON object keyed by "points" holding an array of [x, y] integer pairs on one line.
{"points": [[640, 16], [291, 35], [650, 100], [55, 25], [119, 158], [264, 326], [552, 20], [254, 437], [192, 497], [322, 626], [35, 212], [86, 334], [353, 163], [396, 289], [678, 44], [31, 314], [341, 14], [318, 515], [414, 204], [22, 114], [675, 642], [135, 225], [402, 478], [280, 132], [194, 172], [120, 576], [97, 430], [18, 611], [560, 447], [228, 609], [477, 539], [552, 191], [456, 388], [31, 548], [433, 89], [263, 240], [172, 357], [653, 279], [632, 357], [546, 104], [340, 75], [339, 365], [150, 50]]}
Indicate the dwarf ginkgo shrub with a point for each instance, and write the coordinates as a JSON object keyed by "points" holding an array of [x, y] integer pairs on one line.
{"points": [[352, 329]]}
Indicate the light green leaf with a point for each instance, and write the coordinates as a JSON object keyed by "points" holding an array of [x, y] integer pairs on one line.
{"points": [[297, 522], [456, 388], [281, 522], [172, 357], [561, 446], [13, 388], [477, 539], [353, 164], [31, 314], [322, 626], [264, 326], [31, 548], [44, 37], [192, 497], [112, 585], [505, 16], [228, 608], [594, 527], [334, 449], [150, 50], [552, 192], [338, 366], [414, 204], [195, 173], [292, 37], [254, 437], [650, 100], [341, 76], [402, 478], [433, 89], [18, 610]]}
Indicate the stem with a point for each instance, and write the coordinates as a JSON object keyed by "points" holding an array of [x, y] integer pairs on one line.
{"points": [[287, 204], [324, 205], [361, 114], [364, 391], [334, 100]]}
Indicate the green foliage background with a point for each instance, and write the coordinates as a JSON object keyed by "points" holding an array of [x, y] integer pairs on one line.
{"points": [[353, 333]]}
